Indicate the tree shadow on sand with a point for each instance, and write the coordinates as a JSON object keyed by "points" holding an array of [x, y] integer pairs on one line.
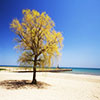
{"points": [[22, 84]]}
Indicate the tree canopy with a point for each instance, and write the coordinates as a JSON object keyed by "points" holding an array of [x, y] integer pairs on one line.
{"points": [[37, 38]]}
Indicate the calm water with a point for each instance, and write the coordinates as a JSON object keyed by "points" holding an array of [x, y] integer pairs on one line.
{"points": [[89, 71]]}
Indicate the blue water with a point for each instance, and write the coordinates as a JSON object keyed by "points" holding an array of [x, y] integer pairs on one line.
{"points": [[75, 70], [89, 71]]}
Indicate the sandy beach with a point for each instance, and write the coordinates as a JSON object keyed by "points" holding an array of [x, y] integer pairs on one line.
{"points": [[51, 86]]}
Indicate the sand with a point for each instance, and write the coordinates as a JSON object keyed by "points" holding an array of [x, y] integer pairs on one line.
{"points": [[53, 86]]}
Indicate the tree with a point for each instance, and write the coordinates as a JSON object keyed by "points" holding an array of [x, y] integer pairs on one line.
{"points": [[37, 39]]}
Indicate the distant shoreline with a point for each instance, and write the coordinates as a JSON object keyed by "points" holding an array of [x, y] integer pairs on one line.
{"points": [[52, 67], [70, 70], [30, 69], [44, 70]]}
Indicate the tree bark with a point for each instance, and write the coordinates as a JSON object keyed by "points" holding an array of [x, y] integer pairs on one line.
{"points": [[34, 72]]}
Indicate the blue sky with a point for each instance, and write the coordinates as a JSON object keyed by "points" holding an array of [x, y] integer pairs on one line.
{"points": [[78, 20]]}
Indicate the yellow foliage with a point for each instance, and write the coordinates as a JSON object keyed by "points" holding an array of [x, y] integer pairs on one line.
{"points": [[37, 36]]}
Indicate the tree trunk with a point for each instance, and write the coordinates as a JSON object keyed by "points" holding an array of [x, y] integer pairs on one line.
{"points": [[34, 72]]}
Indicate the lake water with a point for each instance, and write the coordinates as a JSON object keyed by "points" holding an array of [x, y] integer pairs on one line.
{"points": [[89, 71]]}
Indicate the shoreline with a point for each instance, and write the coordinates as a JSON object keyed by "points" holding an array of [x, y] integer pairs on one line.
{"points": [[30, 70], [46, 70], [62, 71]]}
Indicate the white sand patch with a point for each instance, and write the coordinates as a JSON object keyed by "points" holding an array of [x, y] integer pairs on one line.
{"points": [[60, 87]]}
